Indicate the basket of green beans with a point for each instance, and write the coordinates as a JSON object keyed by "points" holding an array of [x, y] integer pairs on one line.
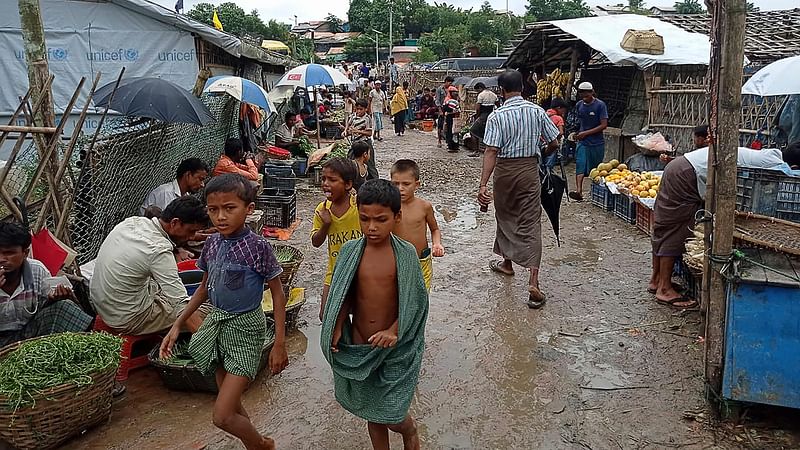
{"points": [[290, 259], [179, 372], [54, 387]]}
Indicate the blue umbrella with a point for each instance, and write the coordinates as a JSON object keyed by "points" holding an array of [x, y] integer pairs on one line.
{"points": [[241, 89]]}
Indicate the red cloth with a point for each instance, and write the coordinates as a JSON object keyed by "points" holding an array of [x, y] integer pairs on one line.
{"points": [[46, 250]]}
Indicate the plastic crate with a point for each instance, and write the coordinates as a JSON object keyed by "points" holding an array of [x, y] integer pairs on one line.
{"points": [[279, 207], [602, 197], [625, 208], [280, 183], [316, 176], [300, 167], [283, 170], [768, 192], [331, 132], [644, 218]]}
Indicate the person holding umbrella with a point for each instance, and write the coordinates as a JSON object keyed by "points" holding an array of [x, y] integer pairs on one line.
{"points": [[513, 136]]}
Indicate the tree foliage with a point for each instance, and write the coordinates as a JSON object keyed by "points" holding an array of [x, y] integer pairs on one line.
{"points": [[689, 7], [334, 22], [540, 10], [443, 29], [236, 21]]}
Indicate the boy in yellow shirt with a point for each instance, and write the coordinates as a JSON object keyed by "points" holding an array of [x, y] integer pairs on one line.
{"points": [[335, 218], [417, 217]]}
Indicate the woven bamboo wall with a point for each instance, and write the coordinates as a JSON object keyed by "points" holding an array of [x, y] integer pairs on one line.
{"points": [[678, 105]]}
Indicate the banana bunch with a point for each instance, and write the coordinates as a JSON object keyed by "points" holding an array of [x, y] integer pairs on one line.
{"points": [[554, 84]]}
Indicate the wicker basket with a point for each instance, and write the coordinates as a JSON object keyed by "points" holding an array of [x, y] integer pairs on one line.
{"points": [[767, 232], [292, 309], [187, 377], [289, 268], [59, 412]]}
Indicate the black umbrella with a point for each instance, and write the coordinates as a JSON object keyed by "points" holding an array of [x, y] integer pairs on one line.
{"points": [[154, 98], [553, 188]]}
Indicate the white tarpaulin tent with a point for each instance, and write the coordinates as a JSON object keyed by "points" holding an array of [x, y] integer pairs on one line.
{"points": [[605, 33]]}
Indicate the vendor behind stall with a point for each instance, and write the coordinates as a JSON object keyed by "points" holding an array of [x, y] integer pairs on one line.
{"points": [[681, 195], [234, 161], [135, 287], [189, 179], [288, 134], [29, 305]]}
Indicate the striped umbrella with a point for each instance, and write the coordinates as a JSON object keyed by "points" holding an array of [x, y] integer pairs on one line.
{"points": [[309, 75]]}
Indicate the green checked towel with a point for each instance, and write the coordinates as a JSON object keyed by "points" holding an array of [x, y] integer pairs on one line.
{"points": [[233, 340], [378, 384]]}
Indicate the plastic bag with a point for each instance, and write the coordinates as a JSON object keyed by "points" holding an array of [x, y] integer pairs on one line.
{"points": [[652, 143]]}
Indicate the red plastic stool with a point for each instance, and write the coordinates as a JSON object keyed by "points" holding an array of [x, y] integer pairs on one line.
{"points": [[129, 363]]}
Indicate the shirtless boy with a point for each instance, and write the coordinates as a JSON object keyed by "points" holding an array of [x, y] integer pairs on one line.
{"points": [[376, 356], [417, 217]]}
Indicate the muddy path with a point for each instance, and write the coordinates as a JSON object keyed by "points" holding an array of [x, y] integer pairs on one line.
{"points": [[602, 366]]}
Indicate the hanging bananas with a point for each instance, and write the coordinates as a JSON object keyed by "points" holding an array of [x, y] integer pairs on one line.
{"points": [[552, 85]]}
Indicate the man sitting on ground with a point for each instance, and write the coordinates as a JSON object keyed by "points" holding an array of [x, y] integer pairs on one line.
{"points": [[189, 179], [135, 287], [288, 134], [28, 308]]}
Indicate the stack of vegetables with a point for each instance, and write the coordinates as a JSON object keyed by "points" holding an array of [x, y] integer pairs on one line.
{"points": [[55, 360]]}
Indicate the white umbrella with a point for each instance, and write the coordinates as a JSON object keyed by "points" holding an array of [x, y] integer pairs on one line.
{"points": [[310, 75], [778, 78]]}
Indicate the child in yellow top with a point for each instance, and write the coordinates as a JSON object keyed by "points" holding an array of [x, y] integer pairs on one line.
{"points": [[336, 218], [417, 217]]}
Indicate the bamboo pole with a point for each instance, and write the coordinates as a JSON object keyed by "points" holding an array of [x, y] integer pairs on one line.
{"points": [[36, 57], [50, 199], [727, 40], [26, 129]]}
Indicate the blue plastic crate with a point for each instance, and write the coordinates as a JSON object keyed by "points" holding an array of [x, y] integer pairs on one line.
{"points": [[625, 208], [602, 197]]}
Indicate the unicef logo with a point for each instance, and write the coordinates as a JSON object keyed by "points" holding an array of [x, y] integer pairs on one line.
{"points": [[132, 54], [59, 54]]}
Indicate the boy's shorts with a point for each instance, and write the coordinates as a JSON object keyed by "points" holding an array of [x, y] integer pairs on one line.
{"points": [[587, 157], [426, 263], [233, 340], [378, 119]]}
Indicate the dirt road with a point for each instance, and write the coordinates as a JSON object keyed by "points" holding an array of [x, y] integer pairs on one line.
{"points": [[602, 366]]}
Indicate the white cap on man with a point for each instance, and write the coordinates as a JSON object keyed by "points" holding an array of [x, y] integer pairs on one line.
{"points": [[585, 86]]}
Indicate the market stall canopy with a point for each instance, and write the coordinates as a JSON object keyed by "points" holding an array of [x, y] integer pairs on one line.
{"points": [[778, 78], [309, 75], [275, 46], [552, 41], [242, 90], [154, 98]]}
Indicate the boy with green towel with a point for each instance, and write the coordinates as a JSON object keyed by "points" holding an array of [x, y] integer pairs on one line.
{"points": [[376, 355]]}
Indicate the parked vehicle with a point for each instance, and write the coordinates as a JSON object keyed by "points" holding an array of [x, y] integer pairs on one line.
{"points": [[480, 63]]}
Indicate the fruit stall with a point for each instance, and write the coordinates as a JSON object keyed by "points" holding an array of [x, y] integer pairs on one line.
{"points": [[762, 355]]}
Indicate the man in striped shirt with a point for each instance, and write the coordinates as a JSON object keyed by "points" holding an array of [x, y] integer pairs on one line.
{"points": [[514, 133]]}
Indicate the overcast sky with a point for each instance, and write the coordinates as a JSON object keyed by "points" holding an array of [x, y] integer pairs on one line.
{"points": [[284, 10]]}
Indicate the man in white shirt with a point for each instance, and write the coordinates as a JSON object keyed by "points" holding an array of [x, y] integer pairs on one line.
{"points": [[377, 106], [189, 179], [135, 287]]}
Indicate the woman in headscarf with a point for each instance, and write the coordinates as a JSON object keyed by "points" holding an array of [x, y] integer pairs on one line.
{"points": [[398, 106]]}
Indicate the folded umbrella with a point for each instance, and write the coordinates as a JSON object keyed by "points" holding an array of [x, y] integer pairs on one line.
{"points": [[553, 188], [154, 98]]}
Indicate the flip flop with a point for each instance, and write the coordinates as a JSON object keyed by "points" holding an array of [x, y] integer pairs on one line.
{"points": [[495, 266], [677, 288], [672, 302], [536, 298]]}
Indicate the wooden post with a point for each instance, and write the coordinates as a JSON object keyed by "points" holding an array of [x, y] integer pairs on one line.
{"points": [[36, 57], [727, 54], [316, 114], [573, 71]]}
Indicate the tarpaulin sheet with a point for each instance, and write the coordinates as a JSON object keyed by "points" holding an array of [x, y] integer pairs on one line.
{"points": [[84, 38], [605, 33]]}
